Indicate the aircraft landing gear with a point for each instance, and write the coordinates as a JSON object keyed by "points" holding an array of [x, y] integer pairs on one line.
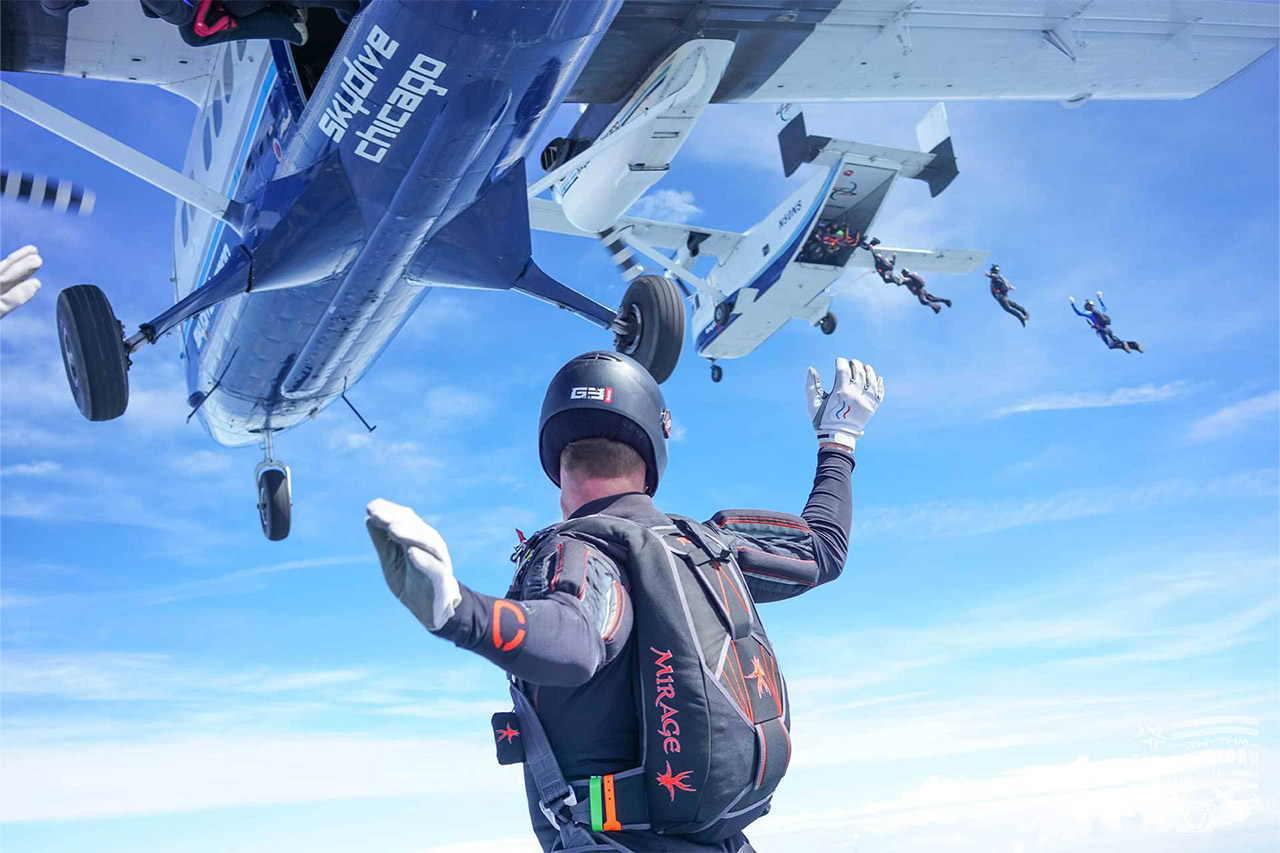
{"points": [[93, 352], [828, 323], [717, 372], [652, 324], [724, 310], [275, 493]]}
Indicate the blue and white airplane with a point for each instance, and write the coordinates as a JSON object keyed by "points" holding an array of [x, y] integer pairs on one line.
{"points": [[329, 187]]}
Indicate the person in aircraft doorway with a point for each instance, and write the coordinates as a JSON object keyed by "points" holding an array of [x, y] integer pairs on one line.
{"points": [[914, 283], [1000, 290], [610, 612]]}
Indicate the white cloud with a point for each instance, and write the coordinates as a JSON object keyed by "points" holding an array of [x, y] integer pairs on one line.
{"points": [[1099, 400], [244, 580], [666, 206], [31, 469], [132, 677], [112, 779], [201, 462], [1112, 803], [940, 519], [1236, 417]]}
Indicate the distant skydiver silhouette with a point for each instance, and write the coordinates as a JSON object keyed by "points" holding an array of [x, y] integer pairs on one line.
{"points": [[1101, 323], [1000, 288]]}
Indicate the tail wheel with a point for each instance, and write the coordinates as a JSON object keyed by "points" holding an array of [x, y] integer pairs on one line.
{"points": [[93, 352], [828, 323], [652, 316], [273, 503]]}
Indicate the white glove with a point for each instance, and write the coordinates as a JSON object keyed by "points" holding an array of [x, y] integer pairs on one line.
{"points": [[415, 563], [1071, 299], [16, 283], [841, 415]]}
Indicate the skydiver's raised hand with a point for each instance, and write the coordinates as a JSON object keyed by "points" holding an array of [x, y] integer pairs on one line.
{"points": [[415, 562], [16, 283], [840, 416]]}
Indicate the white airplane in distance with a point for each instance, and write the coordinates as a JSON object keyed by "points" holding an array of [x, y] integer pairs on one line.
{"points": [[782, 267], [1071, 51]]}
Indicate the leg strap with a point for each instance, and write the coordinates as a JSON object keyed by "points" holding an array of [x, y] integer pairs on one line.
{"points": [[613, 802], [556, 796]]}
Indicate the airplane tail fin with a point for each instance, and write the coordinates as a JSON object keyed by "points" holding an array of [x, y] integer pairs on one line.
{"points": [[934, 136], [934, 163]]}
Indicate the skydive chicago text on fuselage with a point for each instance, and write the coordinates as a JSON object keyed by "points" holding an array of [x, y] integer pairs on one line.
{"points": [[358, 82]]}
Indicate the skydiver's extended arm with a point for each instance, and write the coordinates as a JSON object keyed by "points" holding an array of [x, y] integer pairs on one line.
{"points": [[1101, 303], [1084, 314], [574, 616], [783, 555]]}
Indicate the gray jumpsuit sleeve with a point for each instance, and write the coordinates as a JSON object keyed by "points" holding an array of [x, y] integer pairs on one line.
{"points": [[783, 555], [566, 617]]}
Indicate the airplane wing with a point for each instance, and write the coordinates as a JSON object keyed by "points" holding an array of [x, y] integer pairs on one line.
{"points": [[547, 215], [945, 261], [104, 41], [894, 50]]}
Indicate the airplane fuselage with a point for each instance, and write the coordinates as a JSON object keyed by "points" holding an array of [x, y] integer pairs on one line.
{"points": [[425, 110]]}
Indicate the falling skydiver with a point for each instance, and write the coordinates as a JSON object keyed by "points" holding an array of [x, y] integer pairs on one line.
{"points": [[1101, 323], [914, 283], [1000, 288]]}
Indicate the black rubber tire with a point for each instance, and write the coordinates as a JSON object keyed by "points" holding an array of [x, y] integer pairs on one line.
{"points": [[828, 323], [723, 311], [273, 504], [717, 373], [93, 353], [656, 303]]}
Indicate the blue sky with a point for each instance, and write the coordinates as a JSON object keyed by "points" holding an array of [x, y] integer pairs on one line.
{"points": [[1062, 556]]}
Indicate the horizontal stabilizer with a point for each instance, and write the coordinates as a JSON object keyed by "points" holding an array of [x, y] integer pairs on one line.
{"points": [[547, 215]]}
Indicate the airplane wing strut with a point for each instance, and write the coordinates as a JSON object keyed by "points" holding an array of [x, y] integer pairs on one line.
{"points": [[117, 153]]}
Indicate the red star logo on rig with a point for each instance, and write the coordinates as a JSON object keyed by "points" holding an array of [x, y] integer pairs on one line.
{"points": [[673, 781], [508, 734]]}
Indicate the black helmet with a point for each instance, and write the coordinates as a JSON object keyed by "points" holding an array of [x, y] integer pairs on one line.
{"points": [[1088, 305], [995, 268], [605, 395]]}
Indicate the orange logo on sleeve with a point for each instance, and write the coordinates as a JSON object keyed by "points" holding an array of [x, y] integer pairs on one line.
{"points": [[499, 605]]}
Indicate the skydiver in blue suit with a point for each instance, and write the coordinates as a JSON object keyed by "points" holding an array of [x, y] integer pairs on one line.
{"points": [[1098, 320]]}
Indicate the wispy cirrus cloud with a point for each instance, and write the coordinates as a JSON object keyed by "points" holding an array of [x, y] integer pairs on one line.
{"points": [[942, 519], [31, 469], [1099, 400], [1236, 417], [243, 580]]}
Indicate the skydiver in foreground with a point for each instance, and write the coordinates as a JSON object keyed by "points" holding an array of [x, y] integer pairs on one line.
{"points": [[630, 740], [1000, 290], [914, 283], [1101, 323]]}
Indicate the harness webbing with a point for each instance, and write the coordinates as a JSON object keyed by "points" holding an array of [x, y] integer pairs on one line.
{"points": [[555, 795]]}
